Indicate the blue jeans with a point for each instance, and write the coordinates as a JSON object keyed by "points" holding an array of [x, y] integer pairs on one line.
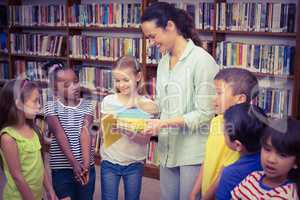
{"points": [[110, 180], [65, 184], [176, 183]]}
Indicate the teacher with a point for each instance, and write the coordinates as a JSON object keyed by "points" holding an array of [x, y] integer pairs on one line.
{"points": [[184, 95]]}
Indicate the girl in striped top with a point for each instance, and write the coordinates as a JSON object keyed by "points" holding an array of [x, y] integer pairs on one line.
{"points": [[280, 158], [71, 153]]}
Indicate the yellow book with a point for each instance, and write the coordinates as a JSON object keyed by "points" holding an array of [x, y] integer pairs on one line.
{"points": [[113, 128], [107, 124]]}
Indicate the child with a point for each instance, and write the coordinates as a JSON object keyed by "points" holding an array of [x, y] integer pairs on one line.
{"points": [[69, 118], [280, 159], [124, 158], [233, 86], [20, 145], [243, 128]]}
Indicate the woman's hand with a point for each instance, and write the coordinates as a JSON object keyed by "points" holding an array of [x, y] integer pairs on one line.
{"points": [[153, 127]]}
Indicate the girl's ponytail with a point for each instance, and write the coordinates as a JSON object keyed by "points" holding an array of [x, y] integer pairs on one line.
{"points": [[186, 26]]}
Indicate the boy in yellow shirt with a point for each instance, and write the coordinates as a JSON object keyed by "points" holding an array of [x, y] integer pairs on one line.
{"points": [[233, 86]]}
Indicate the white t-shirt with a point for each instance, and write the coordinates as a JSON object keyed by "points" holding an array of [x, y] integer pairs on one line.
{"points": [[123, 151]]}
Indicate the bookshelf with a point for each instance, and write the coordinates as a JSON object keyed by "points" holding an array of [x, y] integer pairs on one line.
{"points": [[209, 25]]}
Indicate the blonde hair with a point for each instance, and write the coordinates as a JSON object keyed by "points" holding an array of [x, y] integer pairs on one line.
{"points": [[130, 62]]}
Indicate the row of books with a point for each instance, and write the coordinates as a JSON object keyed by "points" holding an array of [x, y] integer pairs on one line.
{"points": [[253, 16], [38, 15], [95, 77], [202, 13], [33, 70], [271, 59], [37, 44], [242, 16], [4, 70], [275, 102], [153, 54], [105, 15], [153, 153], [104, 48]]}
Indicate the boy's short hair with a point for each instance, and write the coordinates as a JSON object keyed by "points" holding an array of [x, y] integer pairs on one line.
{"points": [[240, 80], [245, 122]]}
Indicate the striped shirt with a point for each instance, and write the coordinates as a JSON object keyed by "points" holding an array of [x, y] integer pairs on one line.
{"points": [[252, 187], [71, 119]]}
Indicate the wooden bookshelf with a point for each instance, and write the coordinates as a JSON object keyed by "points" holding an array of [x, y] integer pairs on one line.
{"points": [[255, 33], [105, 29], [3, 28], [38, 27], [273, 76], [3, 54], [151, 171], [93, 61], [39, 57], [205, 31]]}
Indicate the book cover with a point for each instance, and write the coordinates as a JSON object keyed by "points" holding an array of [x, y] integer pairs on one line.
{"points": [[128, 122]]}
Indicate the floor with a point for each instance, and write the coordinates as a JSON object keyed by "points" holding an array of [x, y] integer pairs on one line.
{"points": [[150, 188]]}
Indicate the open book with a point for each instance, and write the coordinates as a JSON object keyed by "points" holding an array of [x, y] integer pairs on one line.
{"points": [[114, 127]]}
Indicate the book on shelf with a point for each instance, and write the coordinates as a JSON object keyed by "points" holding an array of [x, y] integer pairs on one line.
{"points": [[104, 48], [33, 70], [153, 157], [106, 14], [151, 89], [93, 77], [153, 54], [256, 16], [4, 70], [39, 44], [38, 15], [201, 12], [270, 59], [275, 102], [3, 45]]}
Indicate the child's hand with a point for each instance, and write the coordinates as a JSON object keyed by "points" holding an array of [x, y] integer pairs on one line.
{"points": [[124, 131], [192, 196], [52, 196], [77, 170], [85, 176]]}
